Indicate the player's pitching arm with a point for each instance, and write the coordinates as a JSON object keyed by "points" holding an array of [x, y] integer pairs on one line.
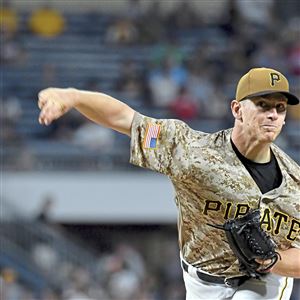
{"points": [[99, 108]]}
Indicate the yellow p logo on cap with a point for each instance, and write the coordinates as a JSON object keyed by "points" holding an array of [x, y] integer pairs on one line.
{"points": [[274, 78]]}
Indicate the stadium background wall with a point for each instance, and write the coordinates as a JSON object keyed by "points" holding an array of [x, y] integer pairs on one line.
{"points": [[93, 197]]}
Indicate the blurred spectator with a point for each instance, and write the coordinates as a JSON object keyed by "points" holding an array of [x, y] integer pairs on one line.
{"points": [[131, 82], [47, 22], [9, 18], [184, 16], [93, 137], [211, 12], [11, 48], [78, 286], [45, 256], [12, 109], [151, 25], [184, 106], [122, 31], [270, 54], [18, 155], [123, 285], [290, 35], [200, 85], [231, 19], [134, 11], [10, 288], [168, 50], [163, 86], [132, 90], [293, 58], [207, 53], [12, 51], [132, 258], [218, 105], [260, 13], [128, 69], [45, 211], [10, 113], [123, 272]]}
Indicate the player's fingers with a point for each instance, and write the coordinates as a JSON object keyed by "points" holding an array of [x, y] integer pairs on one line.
{"points": [[53, 103], [42, 99], [51, 111], [48, 113], [44, 118], [41, 103], [264, 262]]}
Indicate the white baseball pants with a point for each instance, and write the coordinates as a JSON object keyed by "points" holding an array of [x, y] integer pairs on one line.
{"points": [[271, 287]]}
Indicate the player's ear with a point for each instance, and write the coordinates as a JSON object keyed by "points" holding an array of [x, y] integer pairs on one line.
{"points": [[236, 109]]}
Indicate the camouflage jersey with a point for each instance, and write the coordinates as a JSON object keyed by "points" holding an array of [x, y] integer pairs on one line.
{"points": [[211, 185]]}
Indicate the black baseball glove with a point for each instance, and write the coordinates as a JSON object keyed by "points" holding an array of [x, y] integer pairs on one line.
{"points": [[249, 242]]}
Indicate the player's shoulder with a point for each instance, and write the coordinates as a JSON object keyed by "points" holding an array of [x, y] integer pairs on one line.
{"points": [[197, 136], [183, 131], [166, 125], [198, 133], [291, 166], [216, 139]]}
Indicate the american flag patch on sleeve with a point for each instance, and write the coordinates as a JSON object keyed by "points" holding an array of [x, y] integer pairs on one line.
{"points": [[151, 137]]}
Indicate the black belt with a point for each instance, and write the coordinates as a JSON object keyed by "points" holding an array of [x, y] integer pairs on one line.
{"points": [[230, 282]]}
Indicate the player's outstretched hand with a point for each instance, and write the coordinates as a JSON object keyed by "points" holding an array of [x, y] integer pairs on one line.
{"points": [[53, 103]]}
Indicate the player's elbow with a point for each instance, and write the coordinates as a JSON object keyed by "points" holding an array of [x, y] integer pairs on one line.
{"points": [[122, 121]]}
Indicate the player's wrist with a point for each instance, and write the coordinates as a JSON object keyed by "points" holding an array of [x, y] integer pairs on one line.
{"points": [[73, 96]]}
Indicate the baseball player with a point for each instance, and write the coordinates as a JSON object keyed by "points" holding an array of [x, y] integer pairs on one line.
{"points": [[216, 177]]}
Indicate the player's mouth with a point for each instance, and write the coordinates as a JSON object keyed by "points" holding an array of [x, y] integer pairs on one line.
{"points": [[269, 126]]}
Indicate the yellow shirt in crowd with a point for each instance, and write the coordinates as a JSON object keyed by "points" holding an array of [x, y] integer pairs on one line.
{"points": [[47, 22]]}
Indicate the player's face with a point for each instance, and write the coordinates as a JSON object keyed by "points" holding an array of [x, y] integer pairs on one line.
{"points": [[263, 117]]}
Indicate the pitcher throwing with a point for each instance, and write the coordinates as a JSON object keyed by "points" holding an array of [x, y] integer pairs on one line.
{"points": [[218, 178]]}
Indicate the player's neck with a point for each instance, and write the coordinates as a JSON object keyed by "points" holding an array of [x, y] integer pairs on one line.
{"points": [[251, 149]]}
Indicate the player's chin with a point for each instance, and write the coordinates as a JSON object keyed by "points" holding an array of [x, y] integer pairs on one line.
{"points": [[270, 136]]}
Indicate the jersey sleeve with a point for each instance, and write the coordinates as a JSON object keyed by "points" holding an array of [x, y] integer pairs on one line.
{"points": [[160, 144]]}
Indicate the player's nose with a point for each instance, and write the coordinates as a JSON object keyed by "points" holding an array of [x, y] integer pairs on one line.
{"points": [[272, 113]]}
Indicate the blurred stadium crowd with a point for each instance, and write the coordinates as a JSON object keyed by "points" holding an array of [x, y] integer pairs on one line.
{"points": [[42, 260], [181, 64]]}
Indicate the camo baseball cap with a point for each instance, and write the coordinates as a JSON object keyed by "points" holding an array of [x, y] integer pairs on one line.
{"points": [[264, 81]]}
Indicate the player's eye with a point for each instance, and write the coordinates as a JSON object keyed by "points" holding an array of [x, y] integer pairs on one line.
{"points": [[262, 104], [280, 107]]}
